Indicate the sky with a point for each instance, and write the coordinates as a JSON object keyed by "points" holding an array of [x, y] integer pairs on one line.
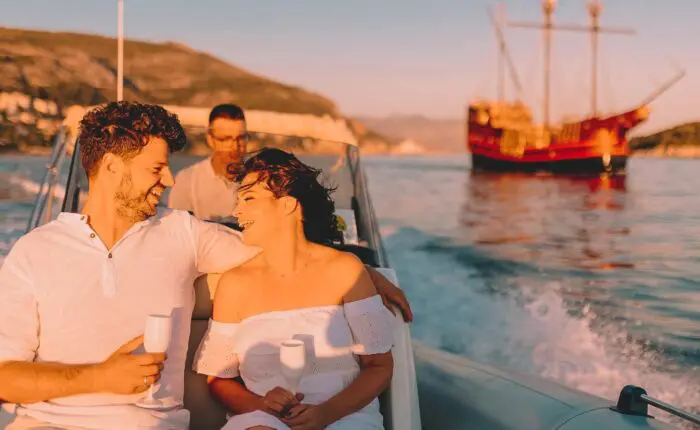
{"points": [[406, 57]]}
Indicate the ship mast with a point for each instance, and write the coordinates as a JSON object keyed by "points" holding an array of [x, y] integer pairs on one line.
{"points": [[548, 8], [594, 9], [498, 22], [504, 57]]}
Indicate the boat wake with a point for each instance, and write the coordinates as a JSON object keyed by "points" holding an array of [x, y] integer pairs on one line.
{"points": [[17, 194], [14, 186], [502, 313], [599, 357]]}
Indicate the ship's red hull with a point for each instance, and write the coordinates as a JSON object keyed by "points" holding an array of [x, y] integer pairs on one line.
{"points": [[577, 157], [616, 164], [594, 145]]}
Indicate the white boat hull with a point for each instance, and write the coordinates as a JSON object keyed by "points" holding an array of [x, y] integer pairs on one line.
{"points": [[457, 393]]}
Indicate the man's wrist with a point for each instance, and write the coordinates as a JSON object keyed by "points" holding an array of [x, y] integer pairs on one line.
{"points": [[93, 378]]}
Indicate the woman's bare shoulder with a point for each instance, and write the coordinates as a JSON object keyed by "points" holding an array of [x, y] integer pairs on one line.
{"points": [[346, 262], [350, 275], [233, 290]]}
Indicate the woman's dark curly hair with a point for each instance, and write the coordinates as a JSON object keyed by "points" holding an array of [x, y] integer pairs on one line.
{"points": [[124, 128], [285, 175]]}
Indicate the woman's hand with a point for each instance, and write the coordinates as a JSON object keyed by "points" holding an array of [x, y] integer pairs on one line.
{"points": [[279, 400], [307, 417]]}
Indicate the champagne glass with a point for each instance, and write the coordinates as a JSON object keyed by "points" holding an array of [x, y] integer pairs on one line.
{"points": [[156, 340], [292, 362]]}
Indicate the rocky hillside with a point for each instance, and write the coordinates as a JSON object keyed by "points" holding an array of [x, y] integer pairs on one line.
{"points": [[63, 69], [682, 141], [81, 69]]}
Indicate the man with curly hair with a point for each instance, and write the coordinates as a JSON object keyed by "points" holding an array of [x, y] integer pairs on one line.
{"points": [[75, 293]]}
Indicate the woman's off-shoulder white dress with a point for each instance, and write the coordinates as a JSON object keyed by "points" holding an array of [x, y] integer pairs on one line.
{"points": [[333, 335]]}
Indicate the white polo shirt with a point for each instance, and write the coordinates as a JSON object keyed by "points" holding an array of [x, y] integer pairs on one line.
{"points": [[65, 298], [198, 189]]}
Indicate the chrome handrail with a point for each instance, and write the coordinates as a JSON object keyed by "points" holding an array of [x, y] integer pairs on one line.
{"points": [[694, 418], [634, 400], [48, 181], [374, 223], [360, 182]]}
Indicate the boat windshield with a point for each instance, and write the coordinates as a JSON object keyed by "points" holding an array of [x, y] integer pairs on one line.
{"points": [[66, 188]]}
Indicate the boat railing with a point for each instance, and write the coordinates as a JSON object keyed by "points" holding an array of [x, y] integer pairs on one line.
{"points": [[364, 209], [634, 400], [379, 243], [71, 201], [43, 204]]}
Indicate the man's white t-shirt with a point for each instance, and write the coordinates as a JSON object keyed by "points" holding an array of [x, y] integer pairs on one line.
{"points": [[200, 190], [65, 298]]}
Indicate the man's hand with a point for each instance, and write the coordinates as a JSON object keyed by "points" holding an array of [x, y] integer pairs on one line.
{"points": [[124, 373], [391, 294]]}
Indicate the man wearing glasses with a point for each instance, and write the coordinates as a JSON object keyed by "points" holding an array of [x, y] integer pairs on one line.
{"points": [[207, 188]]}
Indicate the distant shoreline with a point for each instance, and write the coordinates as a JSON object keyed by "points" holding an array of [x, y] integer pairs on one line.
{"points": [[38, 152], [672, 152]]}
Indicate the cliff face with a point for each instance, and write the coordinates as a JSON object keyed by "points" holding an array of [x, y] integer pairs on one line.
{"points": [[680, 141], [81, 69], [39, 69]]}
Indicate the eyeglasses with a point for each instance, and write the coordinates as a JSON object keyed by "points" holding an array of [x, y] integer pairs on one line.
{"points": [[240, 140]]}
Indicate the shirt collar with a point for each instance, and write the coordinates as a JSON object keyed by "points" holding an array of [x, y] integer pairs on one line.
{"points": [[78, 219], [72, 218]]}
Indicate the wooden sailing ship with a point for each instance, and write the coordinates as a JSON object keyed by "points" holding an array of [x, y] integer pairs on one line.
{"points": [[501, 135]]}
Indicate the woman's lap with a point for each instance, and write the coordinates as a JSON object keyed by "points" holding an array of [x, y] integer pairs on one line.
{"points": [[252, 419], [356, 421]]}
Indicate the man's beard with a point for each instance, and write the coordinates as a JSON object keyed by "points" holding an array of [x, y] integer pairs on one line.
{"points": [[132, 207]]}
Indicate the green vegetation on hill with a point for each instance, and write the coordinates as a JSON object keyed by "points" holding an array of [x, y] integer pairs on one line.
{"points": [[72, 68], [684, 135]]}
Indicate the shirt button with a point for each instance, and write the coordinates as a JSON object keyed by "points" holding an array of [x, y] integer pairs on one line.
{"points": [[92, 235], [109, 255]]}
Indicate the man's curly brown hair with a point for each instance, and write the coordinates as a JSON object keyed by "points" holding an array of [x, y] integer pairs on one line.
{"points": [[124, 129]]}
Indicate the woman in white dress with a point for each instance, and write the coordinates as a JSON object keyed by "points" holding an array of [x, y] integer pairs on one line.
{"points": [[296, 288]]}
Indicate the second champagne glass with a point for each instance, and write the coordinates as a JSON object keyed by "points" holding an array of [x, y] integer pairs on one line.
{"points": [[292, 362]]}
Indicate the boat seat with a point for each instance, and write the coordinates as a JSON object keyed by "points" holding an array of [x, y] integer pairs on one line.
{"points": [[399, 404], [205, 412], [7, 414]]}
